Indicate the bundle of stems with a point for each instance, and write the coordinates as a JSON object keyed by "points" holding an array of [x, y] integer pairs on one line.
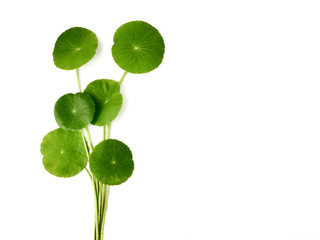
{"points": [[101, 191]]}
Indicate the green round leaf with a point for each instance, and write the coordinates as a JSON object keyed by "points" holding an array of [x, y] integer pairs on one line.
{"points": [[138, 47], [74, 111], [64, 154], [111, 162], [107, 99], [74, 48]]}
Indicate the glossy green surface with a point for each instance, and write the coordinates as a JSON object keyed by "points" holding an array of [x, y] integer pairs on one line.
{"points": [[111, 162], [64, 154], [74, 111], [138, 47], [107, 98], [74, 48]]}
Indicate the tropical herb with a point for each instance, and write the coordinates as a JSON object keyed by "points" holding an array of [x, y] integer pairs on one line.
{"points": [[138, 48]]}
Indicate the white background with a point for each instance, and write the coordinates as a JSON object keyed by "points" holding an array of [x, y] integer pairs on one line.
{"points": [[225, 134]]}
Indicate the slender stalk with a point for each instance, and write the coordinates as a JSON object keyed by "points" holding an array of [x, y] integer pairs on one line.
{"points": [[89, 138], [101, 190], [85, 143], [105, 206], [101, 196], [108, 130], [104, 190], [77, 70], [88, 173], [95, 191], [123, 76], [96, 188], [95, 184]]}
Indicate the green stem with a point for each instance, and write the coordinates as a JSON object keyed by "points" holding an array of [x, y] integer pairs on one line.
{"points": [[77, 70], [108, 132], [85, 143], [104, 190], [104, 132], [88, 173], [105, 206], [97, 209], [95, 191], [123, 76], [89, 138]]}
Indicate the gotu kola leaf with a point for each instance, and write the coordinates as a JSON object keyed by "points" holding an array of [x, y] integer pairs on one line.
{"points": [[111, 162], [64, 153], [74, 111], [74, 48], [107, 99], [138, 47]]}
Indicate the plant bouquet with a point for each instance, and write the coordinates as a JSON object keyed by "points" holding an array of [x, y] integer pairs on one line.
{"points": [[138, 48]]}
